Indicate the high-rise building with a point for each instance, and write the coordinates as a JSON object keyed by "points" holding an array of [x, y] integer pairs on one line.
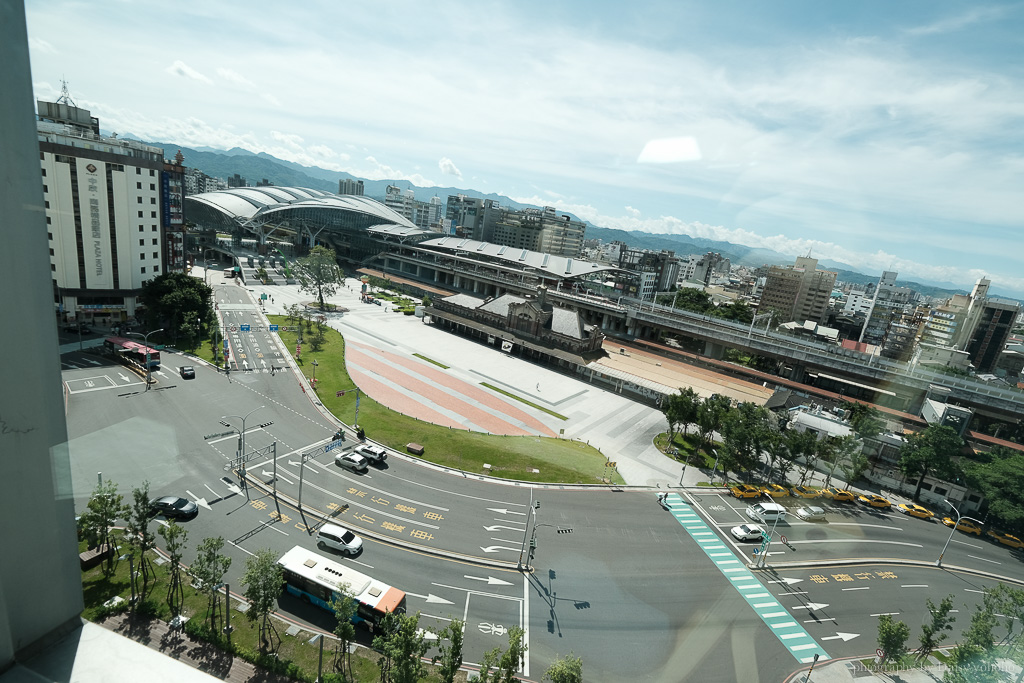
{"points": [[889, 306], [237, 181], [542, 230], [350, 186], [197, 182], [799, 292], [704, 268], [113, 213], [657, 270], [989, 322]]}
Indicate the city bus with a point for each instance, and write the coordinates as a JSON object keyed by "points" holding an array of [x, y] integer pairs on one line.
{"points": [[316, 579], [133, 351]]}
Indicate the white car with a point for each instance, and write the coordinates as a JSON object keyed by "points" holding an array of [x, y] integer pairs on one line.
{"points": [[351, 461], [811, 512], [747, 532], [338, 538], [372, 453]]}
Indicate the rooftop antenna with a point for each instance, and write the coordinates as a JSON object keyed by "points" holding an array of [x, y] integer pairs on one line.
{"points": [[65, 95]]}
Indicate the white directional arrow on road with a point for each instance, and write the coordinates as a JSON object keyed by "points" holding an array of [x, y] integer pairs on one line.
{"points": [[124, 377], [496, 548], [199, 501], [90, 360], [159, 372], [427, 635], [788, 582], [245, 364], [498, 526], [234, 489], [840, 634], [431, 598], [812, 606], [490, 580], [264, 362], [267, 474], [503, 511]]}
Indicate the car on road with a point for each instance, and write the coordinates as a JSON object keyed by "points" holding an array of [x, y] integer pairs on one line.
{"points": [[774, 490], [351, 461], [965, 525], [338, 538], [187, 372], [173, 506], [838, 495], [745, 491], [915, 510], [1005, 539], [805, 492], [811, 513], [874, 500], [371, 452], [747, 532]]}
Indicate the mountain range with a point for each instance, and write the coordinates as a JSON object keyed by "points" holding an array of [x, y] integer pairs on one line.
{"points": [[261, 166]]}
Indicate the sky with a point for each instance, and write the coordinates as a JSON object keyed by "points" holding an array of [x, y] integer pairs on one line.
{"points": [[885, 136]]}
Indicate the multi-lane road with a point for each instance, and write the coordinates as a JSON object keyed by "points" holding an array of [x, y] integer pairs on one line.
{"points": [[640, 593]]}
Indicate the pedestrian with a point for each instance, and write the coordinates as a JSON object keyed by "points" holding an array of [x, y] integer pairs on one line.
{"points": [[538, 386]]}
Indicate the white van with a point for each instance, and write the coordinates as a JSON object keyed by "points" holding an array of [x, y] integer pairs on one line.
{"points": [[338, 538], [767, 513]]}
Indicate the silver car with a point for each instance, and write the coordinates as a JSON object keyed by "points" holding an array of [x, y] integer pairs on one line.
{"points": [[747, 532], [351, 461], [811, 513]]}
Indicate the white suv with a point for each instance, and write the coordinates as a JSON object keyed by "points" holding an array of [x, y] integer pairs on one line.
{"points": [[338, 538], [372, 453]]}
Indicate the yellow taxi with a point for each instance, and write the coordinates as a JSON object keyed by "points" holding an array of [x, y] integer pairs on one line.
{"points": [[915, 510], [805, 492], [774, 490], [745, 491], [838, 495], [965, 525], [874, 500], [1005, 539]]}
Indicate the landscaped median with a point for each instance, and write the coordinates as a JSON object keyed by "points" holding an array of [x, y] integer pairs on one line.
{"points": [[525, 458]]}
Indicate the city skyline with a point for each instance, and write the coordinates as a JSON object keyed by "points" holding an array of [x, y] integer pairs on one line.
{"points": [[876, 144]]}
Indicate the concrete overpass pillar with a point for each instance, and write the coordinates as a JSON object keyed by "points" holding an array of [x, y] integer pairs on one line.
{"points": [[713, 350], [797, 373]]}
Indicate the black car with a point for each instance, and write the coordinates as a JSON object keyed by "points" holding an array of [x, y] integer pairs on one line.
{"points": [[173, 506], [187, 372]]}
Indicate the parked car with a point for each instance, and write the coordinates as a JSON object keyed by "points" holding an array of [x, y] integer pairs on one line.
{"points": [[1005, 539], [838, 495], [372, 453], [874, 500], [187, 372], [338, 538], [745, 491], [811, 513], [351, 461], [915, 510], [965, 525], [774, 490], [747, 532], [174, 506], [805, 492]]}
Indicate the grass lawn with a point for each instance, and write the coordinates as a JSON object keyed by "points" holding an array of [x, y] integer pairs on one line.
{"points": [[510, 457], [523, 400]]}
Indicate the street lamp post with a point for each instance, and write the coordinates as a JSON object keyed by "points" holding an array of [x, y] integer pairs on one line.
{"points": [[314, 373], [149, 370], [241, 444], [938, 562], [131, 574]]}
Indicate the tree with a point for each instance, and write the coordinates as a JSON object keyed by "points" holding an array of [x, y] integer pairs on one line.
{"points": [[695, 300], [174, 300], [892, 638], [865, 419], [344, 607], [450, 654], [319, 274], [744, 433], [209, 569], [680, 410], [104, 508], [843, 450], [174, 537], [262, 580], [855, 468], [930, 450], [568, 669], [138, 535], [711, 415], [1002, 483], [402, 647], [803, 445], [934, 632], [973, 660], [501, 667]]}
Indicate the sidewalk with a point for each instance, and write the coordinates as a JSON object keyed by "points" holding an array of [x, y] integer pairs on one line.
{"points": [[851, 669]]}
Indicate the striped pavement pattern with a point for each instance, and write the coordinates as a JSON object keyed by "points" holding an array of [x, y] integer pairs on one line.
{"points": [[790, 633]]}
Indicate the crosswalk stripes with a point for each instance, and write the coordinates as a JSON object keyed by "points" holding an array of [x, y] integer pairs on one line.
{"points": [[791, 634]]}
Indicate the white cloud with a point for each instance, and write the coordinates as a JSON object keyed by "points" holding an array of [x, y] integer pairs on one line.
{"points": [[448, 167], [270, 99], [42, 46], [234, 77], [379, 171], [634, 213], [955, 23], [180, 68]]}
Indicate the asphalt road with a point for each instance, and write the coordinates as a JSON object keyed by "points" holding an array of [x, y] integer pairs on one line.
{"points": [[616, 579]]}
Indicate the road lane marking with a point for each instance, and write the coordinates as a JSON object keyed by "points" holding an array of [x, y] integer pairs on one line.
{"points": [[862, 588], [882, 614], [914, 585], [984, 559]]}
